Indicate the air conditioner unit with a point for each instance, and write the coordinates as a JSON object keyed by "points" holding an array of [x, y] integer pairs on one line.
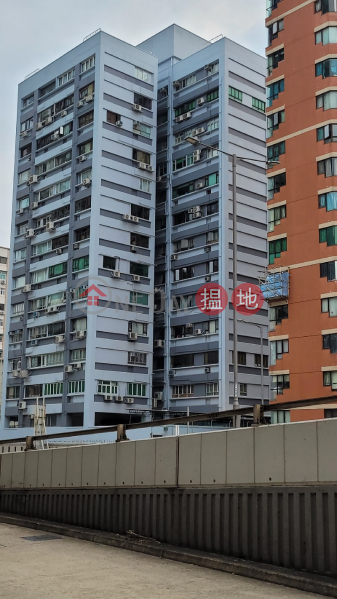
{"points": [[68, 368], [187, 115], [159, 395], [129, 399], [116, 274], [200, 101], [35, 205], [179, 119], [174, 257], [136, 125], [200, 185], [15, 374], [196, 208], [126, 217], [59, 339], [190, 211], [208, 248], [64, 112], [207, 369], [38, 126], [196, 155], [134, 249], [20, 210], [142, 166], [89, 98], [23, 374], [86, 182], [48, 120], [176, 84], [118, 398], [24, 134], [198, 332], [137, 108], [50, 226], [172, 372], [119, 123], [108, 397], [77, 366], [34, 342], [184, 244], [59, 250], [80, 334], [52, 309], [196, 215], [33, 179], [3, 282], [149, 168], [136, 278], [80, 104], [55, 136], [208, 278], [208, 67], [26, 289], [158, 343], [135, 219], [82, 158], [22, 405], [76, 245], [132, 336]]}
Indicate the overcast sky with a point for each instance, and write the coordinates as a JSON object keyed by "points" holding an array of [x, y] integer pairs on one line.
{"points": [[35, 33]]}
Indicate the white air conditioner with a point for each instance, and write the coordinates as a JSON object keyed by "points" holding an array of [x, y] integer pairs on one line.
{"points": [[80, 104], [15, 374], [59, 251], [55, 136], [158, 343], [118, 398], [26, 288], [136, 278], [82, 158], [187, 115], [207, 248], [135, 219], [126, 217], [68, 368], [197, 331], [24, 133], [35, 205], [179, 119], [80, 334], [22, 405], [132, 336], [136, 126], [149, 168], [142, 165], [38, 126], [86, 182], [33, 179], [137, 108], [174, 257], [200, 185], [77, 366], [196, 208], [20, 211], [23, 374], [129, 399], [116, 274], [119, 123], [50, 226], [59, 339], [89, 98], [48, 120], [3, 282], [208, 278], [52, 309], [190, 211], [196, 155], [196, 215], [159, 395], [199, 131], [200, 101], [30, 233], [176, 84], [108, 397], [207, 370], [64, 112], [76, 245], [34, 342]]}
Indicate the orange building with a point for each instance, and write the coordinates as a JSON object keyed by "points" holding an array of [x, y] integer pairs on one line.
{"points": [[302, 199]]}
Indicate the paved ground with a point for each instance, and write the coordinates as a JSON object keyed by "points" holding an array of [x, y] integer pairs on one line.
{"points": [[64, 568]]}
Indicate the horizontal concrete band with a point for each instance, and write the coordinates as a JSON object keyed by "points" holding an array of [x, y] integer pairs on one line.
{"points": [[288, 527]]}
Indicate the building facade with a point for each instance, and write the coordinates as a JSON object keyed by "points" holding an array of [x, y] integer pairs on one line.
{"points": [[118, 221], [302, 199], [218, 95], [4, 266]]}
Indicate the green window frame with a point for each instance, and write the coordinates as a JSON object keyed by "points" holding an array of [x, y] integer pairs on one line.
{"points": [[57, 270], [185, 108], [328, 235], [52, 389], [107, 387], [80, 263], [139, 298], [235, 94], [276, 248], [76, 387], [136, 389], [139, 269], [258, 105], [213, 95]]}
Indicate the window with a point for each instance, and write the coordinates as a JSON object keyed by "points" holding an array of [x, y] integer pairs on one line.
{"points": [[208, 181], [84, 175], [28, 101], [53, 190], [327, 133], [143, 101], [80, 263], [190, 80], [141, 156], [329, 380], [329, 305], [139, 269], [183, 108], [87, 64], [212, 152], [140, 211], [137, 358], [243, 389], [274, 30], [63, 79], [187, 272], [57, 270], [85, 148], [327, 100], [82, 234], [183, 302], [13, 393], [180, 163], [136, 389], [80, 324], [212, 125], [277, 314], [275, 216], [328, 235], [274, 59], [88, 90], [277, 349], [271, 5], [275, 151], [20, 255], [112, 117], [242, 358], [327, 167], [85, 119], [83, 204], [54, 359], [326, 36], [140, 328], [139, 298], [141, 129], [139, 240], [52, 163], [274, 121], [212, 266], [258, 105], [41, 248], [330, 342], [78, 355], [162, 169], [326, 68], [276, 248], [21, 229], [17, 308], [14, 336], [211, 357], [326, 6], [329, 270], [33, 391], [27, 125], [43, 91], [107, 388], [76, 387], [279, 383], [257, 361], [26, 151], [24, 176], [23, 203], [19, 282], [141, 74], [52, 388], [183, 391], [109, 262], [275, 183], [162, 117], [63, 131], [212, 389], [184, 244], [183, 361], [213, 95], [274, 90]]}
